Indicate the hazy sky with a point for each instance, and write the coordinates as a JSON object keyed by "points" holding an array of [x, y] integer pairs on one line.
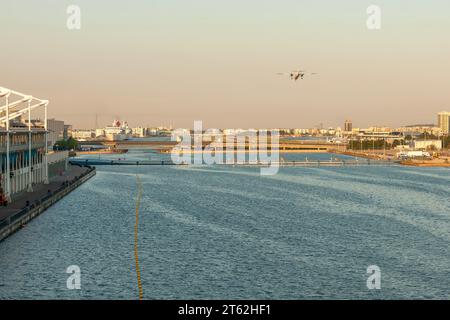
{"points": [[162, 62]]}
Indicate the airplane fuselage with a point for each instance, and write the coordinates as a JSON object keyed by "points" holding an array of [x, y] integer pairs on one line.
{"points": [[297, 75]]}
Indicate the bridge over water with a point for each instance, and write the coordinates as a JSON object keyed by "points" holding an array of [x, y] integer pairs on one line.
{"points": [[284, 145], [314, 163]]}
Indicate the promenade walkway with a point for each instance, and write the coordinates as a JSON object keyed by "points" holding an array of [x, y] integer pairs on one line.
{"points": [[39, 191]]}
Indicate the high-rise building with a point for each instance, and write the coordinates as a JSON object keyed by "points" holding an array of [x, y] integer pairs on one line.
{"points": [[348, 126], [444, 121], [67, 131], [55, 132]]}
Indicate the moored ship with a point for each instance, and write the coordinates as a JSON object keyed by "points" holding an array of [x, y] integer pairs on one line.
{"points": [[118, 131]]}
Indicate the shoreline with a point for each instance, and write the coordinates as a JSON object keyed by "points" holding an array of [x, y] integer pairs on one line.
{"points": [[425, 164], [16, 220], [247, 151], [369, 156], [98, 152]]}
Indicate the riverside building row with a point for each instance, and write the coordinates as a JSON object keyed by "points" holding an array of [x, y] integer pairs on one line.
{"points": [[24, 145]]}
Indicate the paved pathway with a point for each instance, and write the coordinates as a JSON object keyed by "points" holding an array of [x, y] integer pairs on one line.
{"points": [[40, 191]]}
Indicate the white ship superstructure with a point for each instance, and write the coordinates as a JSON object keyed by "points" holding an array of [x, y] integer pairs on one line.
{"points": [[118, 131]]}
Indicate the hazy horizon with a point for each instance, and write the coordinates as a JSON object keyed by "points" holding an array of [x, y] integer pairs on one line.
{"points": [[172, 62]]}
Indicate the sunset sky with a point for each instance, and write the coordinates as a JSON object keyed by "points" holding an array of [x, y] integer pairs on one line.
{"points": [[170, 62]]}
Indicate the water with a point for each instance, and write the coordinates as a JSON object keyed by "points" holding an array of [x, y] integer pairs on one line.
{"points": [[228, 233]]}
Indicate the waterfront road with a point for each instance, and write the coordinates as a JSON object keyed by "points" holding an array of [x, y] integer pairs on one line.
{"points": [[41, 190]]}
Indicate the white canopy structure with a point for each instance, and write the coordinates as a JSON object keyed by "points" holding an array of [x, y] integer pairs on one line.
{"points": [[17, 105]]}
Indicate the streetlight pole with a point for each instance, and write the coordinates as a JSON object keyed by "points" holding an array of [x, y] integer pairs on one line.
{"points": [[30, 165], [46, 146], [8, 169]]}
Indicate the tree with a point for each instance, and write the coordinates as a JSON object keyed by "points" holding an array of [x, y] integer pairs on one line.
{"points": [[427, 136], [408, 137], [69, 144], [378, 144], [397, 143], [72, 144]]}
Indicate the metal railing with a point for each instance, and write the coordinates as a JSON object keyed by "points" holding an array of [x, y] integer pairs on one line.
{"points": [[88, 162], [30, 206]]}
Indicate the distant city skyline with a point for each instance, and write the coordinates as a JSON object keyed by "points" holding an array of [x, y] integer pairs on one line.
{"points": [[347, 124], [172, 62], [343, 126]]}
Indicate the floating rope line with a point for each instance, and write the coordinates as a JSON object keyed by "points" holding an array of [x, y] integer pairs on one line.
{"points": [[136, 229]]}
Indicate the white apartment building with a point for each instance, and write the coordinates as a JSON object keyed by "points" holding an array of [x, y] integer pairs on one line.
{"points": [[83, 134], [139, 132], [444, 121], [426, 144]]}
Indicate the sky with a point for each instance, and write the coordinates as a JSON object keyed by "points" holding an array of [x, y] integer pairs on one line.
{"points": [[170, 62]]}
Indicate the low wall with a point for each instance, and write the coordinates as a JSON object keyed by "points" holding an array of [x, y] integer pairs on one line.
{"points": [[15, 222], [57, 163], [55, 168]]}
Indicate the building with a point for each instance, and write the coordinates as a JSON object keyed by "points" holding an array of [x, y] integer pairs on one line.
{"points": [[25, 160], [83, 135], [67, 131], [388, 135], [55, 132], [420, 129], [444, 121], [299, 131], [348, 126], [23, 151], [152, 131], [99, 133], [118, 131], [139, 132], [426, 144]]}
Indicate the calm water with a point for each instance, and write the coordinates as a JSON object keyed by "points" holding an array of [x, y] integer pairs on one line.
{"points": [[227, 233]]}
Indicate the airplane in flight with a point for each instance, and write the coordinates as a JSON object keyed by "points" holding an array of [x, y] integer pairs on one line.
{"points": [[297, 74]]}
